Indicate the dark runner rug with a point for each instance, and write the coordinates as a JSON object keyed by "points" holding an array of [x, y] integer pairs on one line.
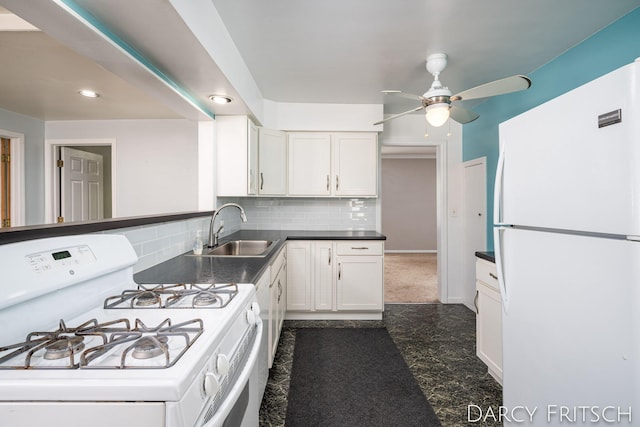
{"points": [[353, 377]]}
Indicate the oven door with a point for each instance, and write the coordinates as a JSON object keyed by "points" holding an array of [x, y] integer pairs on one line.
{"points": [[241, 403]]}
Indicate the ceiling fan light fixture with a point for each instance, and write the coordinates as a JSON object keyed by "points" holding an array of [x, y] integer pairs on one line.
{"points": [[437, 114], [220, 99]]}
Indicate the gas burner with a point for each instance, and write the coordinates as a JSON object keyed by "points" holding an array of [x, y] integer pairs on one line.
{"points": [[63, 347], [146, 299], [206, 298], [149, 347]]}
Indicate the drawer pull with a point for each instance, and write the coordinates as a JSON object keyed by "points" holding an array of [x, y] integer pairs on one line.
{"points": [[493, 276], [360, 248]]}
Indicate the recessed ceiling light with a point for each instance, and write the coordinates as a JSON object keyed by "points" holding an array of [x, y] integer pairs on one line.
{"points": [[220, 99], [88, 93]]}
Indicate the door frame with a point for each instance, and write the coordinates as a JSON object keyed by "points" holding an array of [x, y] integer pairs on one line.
{"points": [[51, 187], [469, 256], [441, 206], [17, 188]]}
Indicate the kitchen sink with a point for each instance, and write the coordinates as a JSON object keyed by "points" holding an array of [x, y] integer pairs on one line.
{"points": [[240, 248]]}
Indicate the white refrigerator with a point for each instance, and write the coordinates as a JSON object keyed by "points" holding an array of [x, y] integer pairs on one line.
{"points": [[567, 243]]}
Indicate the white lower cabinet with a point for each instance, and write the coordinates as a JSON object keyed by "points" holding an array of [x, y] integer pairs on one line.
{"points": [[489, 318], [277, 305], [335, 279], [264, 301]]}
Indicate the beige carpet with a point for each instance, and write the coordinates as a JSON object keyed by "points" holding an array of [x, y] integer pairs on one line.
{"points": [[410, 278]]}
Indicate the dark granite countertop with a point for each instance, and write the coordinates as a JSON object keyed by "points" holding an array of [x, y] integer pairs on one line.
{"points": [[196, 269], [489, 256]]}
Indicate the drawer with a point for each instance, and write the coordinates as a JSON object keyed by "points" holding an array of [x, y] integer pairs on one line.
{"points": [[487, 273], [359, 247], [276, 265]]}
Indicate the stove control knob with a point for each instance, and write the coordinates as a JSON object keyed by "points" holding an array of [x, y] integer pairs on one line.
{"points": [[255, 307], [253, 314], [251, 317], [222, 364], [211, 384]]}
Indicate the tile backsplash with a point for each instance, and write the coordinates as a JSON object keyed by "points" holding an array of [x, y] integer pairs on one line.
{"points": [[300, 214], [159, 242]]}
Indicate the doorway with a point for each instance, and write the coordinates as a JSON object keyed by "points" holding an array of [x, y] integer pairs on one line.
{"points": [[81, 184], [62, 205], [12, 195], [409, 220]]}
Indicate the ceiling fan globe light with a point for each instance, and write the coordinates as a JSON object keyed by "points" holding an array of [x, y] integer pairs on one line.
{"points": [[437, 114]]}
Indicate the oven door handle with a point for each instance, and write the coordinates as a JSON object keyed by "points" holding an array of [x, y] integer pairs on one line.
{"points": [[241, 381]]}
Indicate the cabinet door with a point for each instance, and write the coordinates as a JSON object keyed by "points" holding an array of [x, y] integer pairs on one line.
{"points": [[298, 276], [272, 149], [355, 164], [324, 276], [232, 133], [253, 159], [281, 283], [264, 300], [360, 283], [489, 328], [276, 310], [309, 164]]}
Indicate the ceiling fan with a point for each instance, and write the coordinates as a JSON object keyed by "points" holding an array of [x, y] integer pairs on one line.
{"points": [[437, 100]]}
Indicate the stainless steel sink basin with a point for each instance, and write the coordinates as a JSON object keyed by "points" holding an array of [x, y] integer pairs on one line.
{"points": [[241, 248]]}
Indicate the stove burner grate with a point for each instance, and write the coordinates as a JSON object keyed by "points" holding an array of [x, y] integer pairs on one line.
{"points": [[113, 345], [176, 296]]}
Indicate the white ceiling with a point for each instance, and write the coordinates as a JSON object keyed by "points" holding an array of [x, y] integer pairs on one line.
{"points": [[331, 51]]}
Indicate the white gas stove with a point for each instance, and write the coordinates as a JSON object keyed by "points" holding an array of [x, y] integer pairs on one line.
{"points": [[82, 344]]}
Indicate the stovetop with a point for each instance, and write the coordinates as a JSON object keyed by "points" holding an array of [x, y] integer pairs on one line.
{"points": [[61, 343]]}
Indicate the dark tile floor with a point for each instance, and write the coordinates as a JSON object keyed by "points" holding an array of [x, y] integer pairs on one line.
{"points": [[438, 344]]}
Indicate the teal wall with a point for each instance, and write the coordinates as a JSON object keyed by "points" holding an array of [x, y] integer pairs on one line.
{"points": [[614, 46]]}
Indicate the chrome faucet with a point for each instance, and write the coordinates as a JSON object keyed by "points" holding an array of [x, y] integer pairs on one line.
{"points": [[213, 237]]}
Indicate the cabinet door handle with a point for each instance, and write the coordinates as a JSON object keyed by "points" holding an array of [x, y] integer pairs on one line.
{"points": [[337, 182], [261, 180], [279, 290], [329, 256], [339, 271], [493, 276], [328, 182], [475, 302]]}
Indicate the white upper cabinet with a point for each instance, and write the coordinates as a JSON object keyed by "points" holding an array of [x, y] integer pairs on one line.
{"points": [[272, 165], [333, 164], [253, 161], [234, 136], [355, 164], [309, 164]]}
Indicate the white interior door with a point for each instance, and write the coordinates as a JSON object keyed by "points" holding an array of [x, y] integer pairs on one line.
{"points": [[81, 185], [475, 220]]}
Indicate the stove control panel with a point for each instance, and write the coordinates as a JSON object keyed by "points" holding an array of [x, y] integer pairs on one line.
{"points": [[66, 258]]}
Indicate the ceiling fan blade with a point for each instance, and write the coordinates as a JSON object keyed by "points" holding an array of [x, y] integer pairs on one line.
{"points": [[497, 87], [395, 116], [462, 115], [403, 94]]}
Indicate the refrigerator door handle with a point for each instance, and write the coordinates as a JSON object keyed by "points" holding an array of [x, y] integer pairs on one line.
{"points": [[497, 191], [497, 237]]}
